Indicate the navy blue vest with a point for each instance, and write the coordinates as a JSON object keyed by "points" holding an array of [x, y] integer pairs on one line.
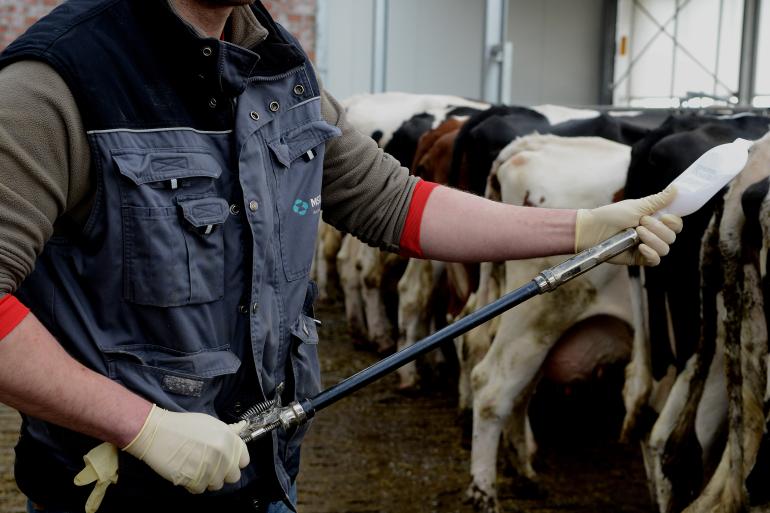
{"points": [[189, 281]]}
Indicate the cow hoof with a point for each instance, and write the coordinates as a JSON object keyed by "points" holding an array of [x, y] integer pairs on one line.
{"points": [[361, 343], [408, 387], [386, 349], [482, 501], [526, 488]]}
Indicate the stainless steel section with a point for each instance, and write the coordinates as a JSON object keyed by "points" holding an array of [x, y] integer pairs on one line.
{"points": [[551, 279]]}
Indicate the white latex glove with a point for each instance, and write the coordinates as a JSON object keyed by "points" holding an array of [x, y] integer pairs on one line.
{"points": [[598, 224], [101, 468], [194, 450]]}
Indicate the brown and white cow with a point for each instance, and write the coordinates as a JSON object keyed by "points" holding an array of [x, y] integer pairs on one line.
{"points": [[396, 121]]}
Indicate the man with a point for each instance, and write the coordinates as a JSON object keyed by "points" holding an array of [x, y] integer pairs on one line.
{"points": [[161, 166]]}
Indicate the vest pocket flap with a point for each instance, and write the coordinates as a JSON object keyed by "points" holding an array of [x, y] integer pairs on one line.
{"points": [[305, 329], [205, 212], [146, 166], [203, 364], [300, 141]]}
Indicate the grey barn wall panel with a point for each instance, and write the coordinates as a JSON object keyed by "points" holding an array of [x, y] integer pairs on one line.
{"points": [[435, 46], [556, 51], [349, 26]]}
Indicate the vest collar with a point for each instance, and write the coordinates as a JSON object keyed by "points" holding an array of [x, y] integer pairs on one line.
{"points": [[259, 48]]}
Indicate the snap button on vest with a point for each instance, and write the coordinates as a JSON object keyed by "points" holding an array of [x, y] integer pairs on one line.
{"points": [[235, 209], [243, 309], [254, 115], [206, 51], [299, 89], [254, 308], [274, 106], [213, 103], [253, 205]]}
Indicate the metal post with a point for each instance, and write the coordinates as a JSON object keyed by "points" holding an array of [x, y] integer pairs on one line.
{"points": [[720, 22], [496, 52], [749, 44], [380, 46], [608, 51], [674, 49]]}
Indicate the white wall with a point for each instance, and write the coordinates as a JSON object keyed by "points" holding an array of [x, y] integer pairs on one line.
{"points": [[556, 51]]}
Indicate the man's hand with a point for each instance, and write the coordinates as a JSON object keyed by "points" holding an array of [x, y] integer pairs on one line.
{"points": [[598, 224], [193, 450]]}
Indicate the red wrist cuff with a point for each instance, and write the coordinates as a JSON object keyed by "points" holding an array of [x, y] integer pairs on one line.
{"points": [[12, 312], [410, 236]]}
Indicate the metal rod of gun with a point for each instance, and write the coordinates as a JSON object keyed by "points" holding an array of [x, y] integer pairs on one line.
{"points": [[547, 281]]}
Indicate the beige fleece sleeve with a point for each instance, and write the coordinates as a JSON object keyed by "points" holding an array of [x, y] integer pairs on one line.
{"points": [[44, 164], [366, 192]]}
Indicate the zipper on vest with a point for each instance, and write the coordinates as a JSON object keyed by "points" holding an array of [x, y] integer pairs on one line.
{"points": [[234, 147]]}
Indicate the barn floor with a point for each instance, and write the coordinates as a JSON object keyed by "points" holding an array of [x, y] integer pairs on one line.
{"points": [[378, 451]]}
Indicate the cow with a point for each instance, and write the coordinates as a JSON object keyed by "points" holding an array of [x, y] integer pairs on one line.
{"points": [[483, 136], [381, 115], [675, 387], [539, 167], [472, 347], [395, 121], [429, 292], [423, 280], [733, 245]]}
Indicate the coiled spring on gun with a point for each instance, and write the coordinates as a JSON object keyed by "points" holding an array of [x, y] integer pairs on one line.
{"points": [[260, 408]]}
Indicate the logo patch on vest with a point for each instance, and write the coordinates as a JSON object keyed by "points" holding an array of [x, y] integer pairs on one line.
{"points": [[302, 207]]}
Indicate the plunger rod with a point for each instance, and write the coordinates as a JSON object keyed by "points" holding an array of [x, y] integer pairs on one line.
{"points": [[546, 281]]}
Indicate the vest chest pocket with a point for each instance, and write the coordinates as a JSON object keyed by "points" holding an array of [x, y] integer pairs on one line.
{"points": [[298, 160], [173, 245]]}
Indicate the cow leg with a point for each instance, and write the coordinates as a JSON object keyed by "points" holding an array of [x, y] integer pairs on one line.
{"points": [[520, 446], [414, 292], [679, 457], [324, 268], [351, 289], [517, 363], [379, 328], [745, 352], [472, 346], [638, 384], [711, 418], [664, 426], [377, 323]]}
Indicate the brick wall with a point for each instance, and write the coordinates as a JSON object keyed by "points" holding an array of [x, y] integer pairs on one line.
{"points": [[17, 15], [296, 15]]}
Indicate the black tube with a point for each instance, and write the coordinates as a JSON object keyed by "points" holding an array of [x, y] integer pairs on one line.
{"points": [[387, 365]]}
